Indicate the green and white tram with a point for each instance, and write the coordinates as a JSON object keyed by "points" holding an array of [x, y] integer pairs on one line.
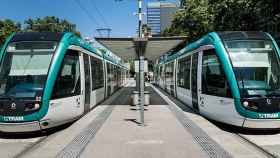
{"points": [[48, 79], [231, 77]]}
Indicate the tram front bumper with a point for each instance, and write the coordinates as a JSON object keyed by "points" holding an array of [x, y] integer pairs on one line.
{"points": [[20, 127], [262, 123]]}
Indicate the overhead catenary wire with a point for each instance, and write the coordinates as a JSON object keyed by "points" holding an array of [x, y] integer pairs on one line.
{"points": [[100, 14], [91, 17]]}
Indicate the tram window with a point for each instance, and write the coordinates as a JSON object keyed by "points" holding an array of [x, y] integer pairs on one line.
{"points": [[108, 72], [68, 81], [87, 73], [183, 78], [97, 73], [166, 73], [160, 72], [115, 74], [180, 74], [169, 73], [214, 81]]}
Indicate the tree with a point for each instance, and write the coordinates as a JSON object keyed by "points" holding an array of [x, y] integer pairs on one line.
{"points": [[7, 27], [234, 15], [46, 24], [268, 15], [193, 21], [50, 24], [197, 17], [182, 3]]}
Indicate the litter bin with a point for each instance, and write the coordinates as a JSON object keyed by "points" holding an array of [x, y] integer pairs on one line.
{"points": [[135, 97]]}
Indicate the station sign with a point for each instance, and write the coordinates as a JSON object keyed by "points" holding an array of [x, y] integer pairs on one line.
{"points": [[136, 65]]}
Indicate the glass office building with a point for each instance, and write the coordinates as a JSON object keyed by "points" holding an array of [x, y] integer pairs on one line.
{"points": [[159, 16]]}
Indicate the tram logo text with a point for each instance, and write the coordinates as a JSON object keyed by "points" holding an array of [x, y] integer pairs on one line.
{"points": [[268, 115], [13, 118], [13, 106]]}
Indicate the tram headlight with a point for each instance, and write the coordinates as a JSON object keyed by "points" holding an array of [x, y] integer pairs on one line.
{"points": [[250, 105], [245, 104], [32, 106]]}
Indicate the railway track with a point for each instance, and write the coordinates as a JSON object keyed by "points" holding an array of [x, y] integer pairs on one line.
{"points": [[30, 147], [258, 148], [212, 148]]}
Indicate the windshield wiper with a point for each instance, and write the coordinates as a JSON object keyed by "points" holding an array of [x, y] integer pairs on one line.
{"points": [[242, 81], [6, 97], [274, 93]]}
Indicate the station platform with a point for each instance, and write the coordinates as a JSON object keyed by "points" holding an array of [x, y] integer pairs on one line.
{"points": [[112, 130], [121, 136]]}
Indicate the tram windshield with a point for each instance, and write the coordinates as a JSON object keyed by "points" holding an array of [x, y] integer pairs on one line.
{"points": [[256, 67], [24, 69]]}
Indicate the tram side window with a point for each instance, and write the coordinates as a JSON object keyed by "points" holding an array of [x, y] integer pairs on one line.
{"points": [[183, 78], [68, 81], [159, 72], [108, 72], [166, 73], [119, 76], [97, 73], [169, 73], [162, 73], [115, 74], [214, 81]]}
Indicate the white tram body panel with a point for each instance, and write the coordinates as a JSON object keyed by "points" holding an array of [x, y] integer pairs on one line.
{"points": [[81, 83], [221, 109]]}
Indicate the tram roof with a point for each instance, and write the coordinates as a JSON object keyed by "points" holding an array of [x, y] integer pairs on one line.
{"points": [[154, 47], [37, 36], [212, 37], [243, 35]]}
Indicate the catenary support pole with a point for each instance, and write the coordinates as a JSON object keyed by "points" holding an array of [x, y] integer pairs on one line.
{"points": [[141, 83]]}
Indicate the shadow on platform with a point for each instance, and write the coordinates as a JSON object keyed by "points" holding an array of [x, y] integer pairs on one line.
{"points": [[125, 97]]}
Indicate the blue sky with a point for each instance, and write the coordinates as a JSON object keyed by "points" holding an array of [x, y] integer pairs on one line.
{"points": [[118, 15]]}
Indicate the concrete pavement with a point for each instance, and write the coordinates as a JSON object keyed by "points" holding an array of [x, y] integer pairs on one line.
{"points": [[162, 137]]}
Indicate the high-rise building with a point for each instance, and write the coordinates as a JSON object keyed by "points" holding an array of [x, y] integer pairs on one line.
{"points": [[159, 16]]}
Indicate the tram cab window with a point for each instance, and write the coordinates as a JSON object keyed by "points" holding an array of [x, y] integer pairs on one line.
{"points": [[68, 80], [214, 81], [183, 78]]}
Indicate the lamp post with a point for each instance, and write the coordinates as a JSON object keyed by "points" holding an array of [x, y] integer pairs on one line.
{"points": [[140, 53]]}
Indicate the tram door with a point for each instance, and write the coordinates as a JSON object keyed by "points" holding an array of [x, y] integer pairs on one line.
{"points": [[87, 83], [194, 79], [213, 90], [67, 97]]}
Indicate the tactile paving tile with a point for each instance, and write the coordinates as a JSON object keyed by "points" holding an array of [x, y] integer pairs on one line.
{"points": [[78, 144], [212, 148]]}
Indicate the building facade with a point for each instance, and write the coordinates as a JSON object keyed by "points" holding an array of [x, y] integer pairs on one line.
{"points": [[159, 16]]}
